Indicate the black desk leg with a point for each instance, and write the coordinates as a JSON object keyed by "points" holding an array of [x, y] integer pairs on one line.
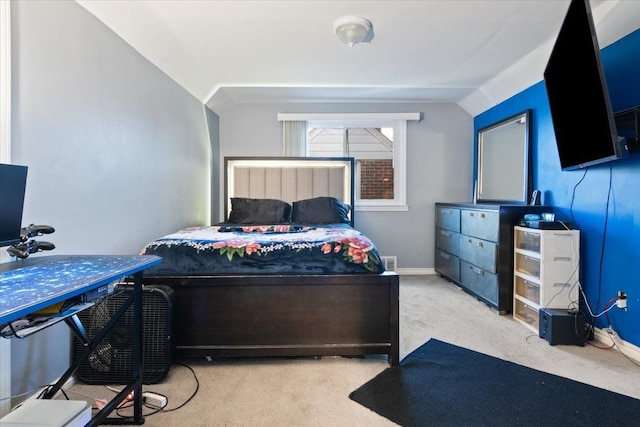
{"points": [[136, 384], [137, 347]]}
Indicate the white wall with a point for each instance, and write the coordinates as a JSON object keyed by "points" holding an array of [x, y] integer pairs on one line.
{"points": [[118, 153], [439, 165]]}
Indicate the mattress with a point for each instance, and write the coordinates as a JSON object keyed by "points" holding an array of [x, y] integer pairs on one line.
{"points": [[228, 249]]}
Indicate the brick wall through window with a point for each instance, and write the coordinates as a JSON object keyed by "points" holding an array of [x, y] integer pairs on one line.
{"points": [[376, 179]]}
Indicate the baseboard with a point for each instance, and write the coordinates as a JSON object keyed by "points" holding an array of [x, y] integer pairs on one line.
{"points": [[626, 348], [416, 271]]}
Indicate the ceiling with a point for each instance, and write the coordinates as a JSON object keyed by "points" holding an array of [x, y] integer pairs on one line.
{"points": [[475, 53]]}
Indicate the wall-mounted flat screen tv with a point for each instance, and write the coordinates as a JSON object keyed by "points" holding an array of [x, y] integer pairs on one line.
{"points": [[13, 181], [579, 101]]}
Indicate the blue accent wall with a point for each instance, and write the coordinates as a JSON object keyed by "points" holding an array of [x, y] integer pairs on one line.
{"points": [[603, 200]]}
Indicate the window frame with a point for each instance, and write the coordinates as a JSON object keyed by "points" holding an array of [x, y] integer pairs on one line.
{"points": [[398, 121]]}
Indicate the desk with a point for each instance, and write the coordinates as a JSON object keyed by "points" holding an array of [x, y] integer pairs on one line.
{"points": [[32, 284]]}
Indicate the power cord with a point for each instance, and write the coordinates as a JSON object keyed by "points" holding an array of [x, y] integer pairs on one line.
{"points": [[195, 377], [155, 409], [43, 389], [604, 235], [603, 246], [615, 343], [605, 311], [612, 304]]}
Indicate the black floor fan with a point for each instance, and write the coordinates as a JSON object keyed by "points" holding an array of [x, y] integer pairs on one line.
{"points": [[112, 360]]}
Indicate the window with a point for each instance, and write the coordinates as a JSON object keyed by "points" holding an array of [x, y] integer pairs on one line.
{"points": [[377, 143], [372, 149]]}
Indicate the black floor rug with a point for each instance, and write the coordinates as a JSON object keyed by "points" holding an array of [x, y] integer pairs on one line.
{"points": [[440, 384]]}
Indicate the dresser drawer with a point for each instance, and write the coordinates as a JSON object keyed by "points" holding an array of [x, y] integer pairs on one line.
{"points": [[448, 264], [479, 281], [448, 218], [480, 224], [481, 253], [448, 241]]}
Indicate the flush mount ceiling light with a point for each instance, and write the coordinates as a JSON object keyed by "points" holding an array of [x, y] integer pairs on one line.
{"points": [[352, 29]]}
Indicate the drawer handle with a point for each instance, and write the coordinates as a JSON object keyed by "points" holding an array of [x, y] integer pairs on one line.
{"points": [[477, 243], [445, 233], [562, 258], [445, 256], [476, 270], [447, 211], [472, 214]]}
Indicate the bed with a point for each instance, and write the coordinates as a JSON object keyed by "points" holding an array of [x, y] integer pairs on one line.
{"points": [[286, 274]]}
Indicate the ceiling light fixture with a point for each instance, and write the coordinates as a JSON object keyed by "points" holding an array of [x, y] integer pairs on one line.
{"points": [[352, 29]]}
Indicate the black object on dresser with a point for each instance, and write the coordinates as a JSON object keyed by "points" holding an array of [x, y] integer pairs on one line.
{"points": [[474, 248]]}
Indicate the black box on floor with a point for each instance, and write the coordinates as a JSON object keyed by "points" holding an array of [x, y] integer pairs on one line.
{"points": [[559, 326]]}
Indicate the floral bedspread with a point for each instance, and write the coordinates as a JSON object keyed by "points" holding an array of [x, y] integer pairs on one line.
{"points": [[264, 249]]}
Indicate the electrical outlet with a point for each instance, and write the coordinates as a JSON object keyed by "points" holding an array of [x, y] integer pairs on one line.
{"points": [[154, 400], [621, 302]]}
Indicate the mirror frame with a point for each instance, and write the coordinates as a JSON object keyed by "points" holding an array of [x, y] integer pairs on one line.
{"points": [[491, 144]]}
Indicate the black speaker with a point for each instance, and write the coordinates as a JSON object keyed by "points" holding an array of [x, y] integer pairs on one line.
{"points": [[111, 361], [559, 326]]}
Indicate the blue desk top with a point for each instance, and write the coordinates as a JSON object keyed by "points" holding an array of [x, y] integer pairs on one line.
{"points": [[32, 284]]}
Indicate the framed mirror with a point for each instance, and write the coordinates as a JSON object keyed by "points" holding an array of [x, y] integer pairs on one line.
{"points": [[503, 169]]}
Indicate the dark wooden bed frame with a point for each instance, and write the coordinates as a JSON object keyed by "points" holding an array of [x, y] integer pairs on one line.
{"points": [[284, 315]]}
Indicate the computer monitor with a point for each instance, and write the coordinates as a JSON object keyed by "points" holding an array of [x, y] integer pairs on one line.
{"points": [[13, 182]]}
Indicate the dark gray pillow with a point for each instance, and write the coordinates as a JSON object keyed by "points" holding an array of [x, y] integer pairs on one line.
{"points": [[258, 211], [320, 210]]}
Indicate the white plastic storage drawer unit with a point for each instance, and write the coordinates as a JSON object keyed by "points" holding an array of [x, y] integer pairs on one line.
{"points": [[546, 272]]}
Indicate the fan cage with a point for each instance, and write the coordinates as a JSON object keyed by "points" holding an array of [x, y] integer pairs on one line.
{"points": [[111, 362]]}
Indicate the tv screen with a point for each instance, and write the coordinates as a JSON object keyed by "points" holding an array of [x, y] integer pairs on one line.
{"points": [[581, 111], [13, 181]]}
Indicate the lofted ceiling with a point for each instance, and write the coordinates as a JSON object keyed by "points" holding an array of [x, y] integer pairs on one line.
{"points": [[475, 53]]}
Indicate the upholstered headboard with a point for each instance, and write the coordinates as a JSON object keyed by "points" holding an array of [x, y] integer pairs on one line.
{"points": [[289, 179]]}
